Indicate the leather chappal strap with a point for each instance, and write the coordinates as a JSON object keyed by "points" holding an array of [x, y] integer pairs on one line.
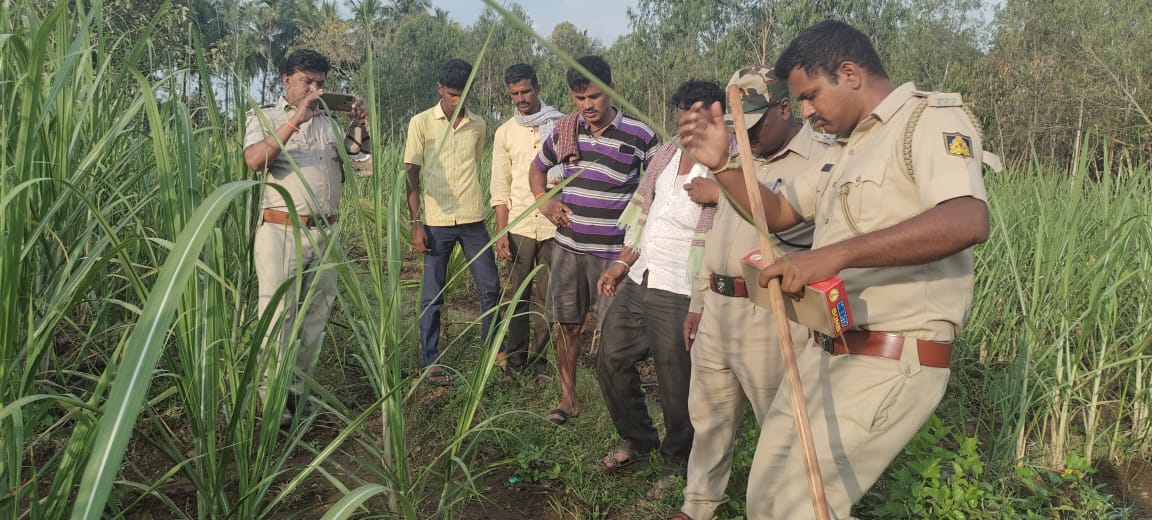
{"points": [[885, 345]]}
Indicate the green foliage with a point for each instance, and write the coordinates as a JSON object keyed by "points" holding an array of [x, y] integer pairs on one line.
{"points": [[531, 466], [1089, 55], [1060, 319], [942, 476], [128, 289], [936, 481], [1068, 493]]}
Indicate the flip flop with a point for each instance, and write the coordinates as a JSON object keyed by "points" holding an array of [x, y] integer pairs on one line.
{"points": [[559, 416], [630, 458]]}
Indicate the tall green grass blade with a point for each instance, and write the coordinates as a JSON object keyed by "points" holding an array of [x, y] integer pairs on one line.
{"points": [[144, 348], [348, 505]]}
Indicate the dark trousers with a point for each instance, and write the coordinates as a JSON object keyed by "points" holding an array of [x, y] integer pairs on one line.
{"points": [[646, 322], [473, 238], [529, 312]]}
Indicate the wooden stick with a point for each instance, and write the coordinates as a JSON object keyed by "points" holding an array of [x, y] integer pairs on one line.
{"points": [[787, 351]]}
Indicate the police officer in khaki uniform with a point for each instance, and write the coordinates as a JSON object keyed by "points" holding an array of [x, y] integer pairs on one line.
{"points": [[734, 347], [295, 144], [896, 220]]}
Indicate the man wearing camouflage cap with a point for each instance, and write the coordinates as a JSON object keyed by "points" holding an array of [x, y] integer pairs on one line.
{"points": [[734, 344]]}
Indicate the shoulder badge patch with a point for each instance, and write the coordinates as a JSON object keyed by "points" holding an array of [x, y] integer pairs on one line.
{"points": [[958, 144]]}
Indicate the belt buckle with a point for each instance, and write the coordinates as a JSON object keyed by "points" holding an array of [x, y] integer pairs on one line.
{"points": [[724, 285], [826, 342]]}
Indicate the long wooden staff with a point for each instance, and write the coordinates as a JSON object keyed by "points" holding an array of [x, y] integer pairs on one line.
{"points": [[787, 352]]}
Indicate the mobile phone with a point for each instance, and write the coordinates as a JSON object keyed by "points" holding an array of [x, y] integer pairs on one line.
{"points": [[337, 102]]}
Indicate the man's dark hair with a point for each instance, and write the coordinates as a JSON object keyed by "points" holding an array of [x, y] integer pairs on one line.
{"points": [[454, 74], [520, 72], [693, 90], [824, 46], [306, 60], [596, 65]]}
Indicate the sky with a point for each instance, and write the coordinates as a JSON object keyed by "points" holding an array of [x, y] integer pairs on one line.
{"points": [[603, 19]]}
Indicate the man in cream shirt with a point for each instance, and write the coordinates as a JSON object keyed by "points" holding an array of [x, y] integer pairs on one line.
{"points": [[295, 143], [527, 242], [896, 218]]}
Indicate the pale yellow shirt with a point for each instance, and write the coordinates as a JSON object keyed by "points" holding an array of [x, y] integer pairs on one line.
{"points": [[732, 237], [448, 159], [316, 181], [513, 149], [868, 189]]}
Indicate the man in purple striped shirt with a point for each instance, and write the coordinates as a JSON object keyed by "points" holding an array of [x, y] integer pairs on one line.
{"points": [[603, 152]]}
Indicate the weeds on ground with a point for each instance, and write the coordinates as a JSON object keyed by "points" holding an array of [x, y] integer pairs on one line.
{"points": [[942, 474]]}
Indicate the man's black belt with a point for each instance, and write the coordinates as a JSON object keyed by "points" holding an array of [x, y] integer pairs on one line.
{"points": [[732, 286]]}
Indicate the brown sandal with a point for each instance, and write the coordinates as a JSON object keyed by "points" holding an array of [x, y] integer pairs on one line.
{"points": [[614, 462]]}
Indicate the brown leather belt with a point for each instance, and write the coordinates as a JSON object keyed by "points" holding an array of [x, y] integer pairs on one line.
{"points": [[733, 286], [885, 345], [273, 216]]}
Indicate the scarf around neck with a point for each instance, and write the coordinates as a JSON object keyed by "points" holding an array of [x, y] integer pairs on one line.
{"points": [[545, 120]]}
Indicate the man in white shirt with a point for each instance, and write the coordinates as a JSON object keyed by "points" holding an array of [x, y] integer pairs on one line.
{"points": [[651, 282]]}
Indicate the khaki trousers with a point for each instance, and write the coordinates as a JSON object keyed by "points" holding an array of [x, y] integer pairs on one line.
{"points": [[863, 411], [735, 360], [303, 311]]}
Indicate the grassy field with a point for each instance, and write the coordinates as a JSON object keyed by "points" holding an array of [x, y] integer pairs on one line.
{"points": [[130, 352]]}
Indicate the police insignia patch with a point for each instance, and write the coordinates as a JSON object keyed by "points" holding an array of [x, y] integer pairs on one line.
{"points": [[958, 144]]}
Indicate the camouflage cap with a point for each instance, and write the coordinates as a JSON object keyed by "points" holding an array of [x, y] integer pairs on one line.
{"points": [[761, 90]]}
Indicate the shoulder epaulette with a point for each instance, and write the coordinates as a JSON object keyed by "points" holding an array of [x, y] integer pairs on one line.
{"points": [[938, 100], [945, 99], [262, 107]]}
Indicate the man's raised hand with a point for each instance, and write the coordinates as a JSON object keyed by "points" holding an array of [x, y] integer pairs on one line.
{"points": [[704, 135]]}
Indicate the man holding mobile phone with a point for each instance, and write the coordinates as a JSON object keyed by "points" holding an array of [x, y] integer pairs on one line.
{"points": [[294, 143]]}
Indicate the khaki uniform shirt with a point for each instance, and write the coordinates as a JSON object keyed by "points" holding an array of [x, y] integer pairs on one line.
{"points": [[513, 150], [448, 159], [313, 149], [732, 237], [869, 189]]}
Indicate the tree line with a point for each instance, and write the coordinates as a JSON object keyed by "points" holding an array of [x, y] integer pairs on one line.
{"points": [[1048, 79]]}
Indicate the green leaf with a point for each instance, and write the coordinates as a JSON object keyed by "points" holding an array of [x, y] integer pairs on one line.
{"points": [[145, 345]]}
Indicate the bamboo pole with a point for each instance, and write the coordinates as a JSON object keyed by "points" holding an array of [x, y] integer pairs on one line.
{"points": [[787, 350]]}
